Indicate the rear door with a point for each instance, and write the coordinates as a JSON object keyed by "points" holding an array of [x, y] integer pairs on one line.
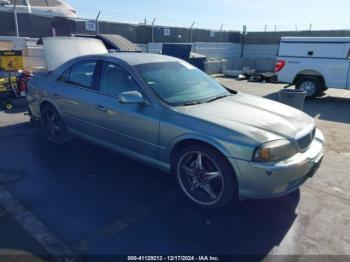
{"points": [[74, 95], [133, 127]]}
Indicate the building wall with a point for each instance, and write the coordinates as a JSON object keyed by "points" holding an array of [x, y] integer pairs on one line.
{"points": [[260, 50]]}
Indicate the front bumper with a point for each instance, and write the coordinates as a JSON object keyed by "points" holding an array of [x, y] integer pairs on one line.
{"points": [[268, 180]]}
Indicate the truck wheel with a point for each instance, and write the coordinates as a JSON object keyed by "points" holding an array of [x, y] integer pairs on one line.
{"points": [[313, 86]]}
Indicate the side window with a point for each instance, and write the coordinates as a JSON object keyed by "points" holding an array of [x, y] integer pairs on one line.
{"points": [[64, 78], [80, 74], [116, 80]]}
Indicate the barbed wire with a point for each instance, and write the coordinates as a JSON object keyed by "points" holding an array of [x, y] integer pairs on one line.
{"points": [[200, 24]]}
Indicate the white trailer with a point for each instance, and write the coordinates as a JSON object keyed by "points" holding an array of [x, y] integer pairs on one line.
{"points": [[314, 63]]}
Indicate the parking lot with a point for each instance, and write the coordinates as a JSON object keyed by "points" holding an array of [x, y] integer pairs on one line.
{"points": [[79, 199]]}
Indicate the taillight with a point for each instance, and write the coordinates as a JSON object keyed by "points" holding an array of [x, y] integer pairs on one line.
{"points": [[279, 65]]}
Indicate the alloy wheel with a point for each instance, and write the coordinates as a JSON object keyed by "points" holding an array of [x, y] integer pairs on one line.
{"points": [[52, 126], [200, 178]]}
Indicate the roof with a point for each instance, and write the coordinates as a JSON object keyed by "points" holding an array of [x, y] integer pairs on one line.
{"points": [[316, 39], [143, 58]]}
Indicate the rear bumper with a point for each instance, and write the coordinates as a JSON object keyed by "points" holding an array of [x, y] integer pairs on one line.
{"points": [[269, 180]]}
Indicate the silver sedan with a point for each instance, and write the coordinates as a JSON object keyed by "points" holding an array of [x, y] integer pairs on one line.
{"points": [[220, 145]]}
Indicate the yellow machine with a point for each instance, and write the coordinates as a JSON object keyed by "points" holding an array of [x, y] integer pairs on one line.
{"points": [[8, 87], [4, 83], [11, 60]]}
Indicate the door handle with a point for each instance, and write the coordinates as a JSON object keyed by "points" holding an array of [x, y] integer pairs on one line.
{"points": [[101, 108]]}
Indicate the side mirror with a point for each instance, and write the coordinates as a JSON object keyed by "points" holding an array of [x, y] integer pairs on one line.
{"points": [[4, 2], [131, 97]]}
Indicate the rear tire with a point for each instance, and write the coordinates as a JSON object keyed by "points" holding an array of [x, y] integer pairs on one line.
{"points": [[53, 127], [312, 85], [205, 177]]}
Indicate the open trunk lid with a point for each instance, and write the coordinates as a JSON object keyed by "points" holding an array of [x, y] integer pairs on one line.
{"points": [[59, 50]]}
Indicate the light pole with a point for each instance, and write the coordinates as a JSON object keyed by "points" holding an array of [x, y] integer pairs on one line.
{"points": [[222, 25], [16, 19], [244, 34], [154, 20], [192, 30], [97, 27]]}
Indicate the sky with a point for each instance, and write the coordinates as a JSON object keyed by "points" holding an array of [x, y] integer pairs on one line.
{"points": [[232, 14]]}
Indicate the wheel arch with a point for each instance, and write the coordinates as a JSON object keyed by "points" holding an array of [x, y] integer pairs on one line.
{"points": [[47, 102], [309, 72], [188, 139], [182, 143]]}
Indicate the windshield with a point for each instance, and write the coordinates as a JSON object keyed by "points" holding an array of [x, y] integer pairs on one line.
{"points": [[179, 83]]}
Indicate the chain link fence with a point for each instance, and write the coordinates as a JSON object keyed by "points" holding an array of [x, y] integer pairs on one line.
{"points": [[30, 25]]}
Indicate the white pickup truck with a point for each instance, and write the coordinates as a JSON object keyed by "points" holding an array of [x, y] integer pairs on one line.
{"points": [[314, 63]]}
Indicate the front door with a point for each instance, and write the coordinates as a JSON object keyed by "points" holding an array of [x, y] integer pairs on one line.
{"points": [[134, 127]]}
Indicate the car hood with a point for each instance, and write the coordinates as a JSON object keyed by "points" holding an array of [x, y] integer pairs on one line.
{"points": [[260, 119]]}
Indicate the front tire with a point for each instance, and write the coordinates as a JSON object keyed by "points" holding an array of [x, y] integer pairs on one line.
{"points": [[205, 177], [313, 86], [53, 127]]}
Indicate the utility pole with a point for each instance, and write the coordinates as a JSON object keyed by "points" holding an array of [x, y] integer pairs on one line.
{"points": [[310, 28], [265, 28], [16, 18], [154, 20], [222, 25], [244, 34], [97, 27], [192, 30]]}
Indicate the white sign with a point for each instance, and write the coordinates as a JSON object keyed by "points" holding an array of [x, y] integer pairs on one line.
{"points": [[166, 31], [90, 26], [212, 33]]}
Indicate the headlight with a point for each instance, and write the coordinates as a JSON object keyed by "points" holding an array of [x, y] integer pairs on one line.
{"points": [[274, 151]]}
